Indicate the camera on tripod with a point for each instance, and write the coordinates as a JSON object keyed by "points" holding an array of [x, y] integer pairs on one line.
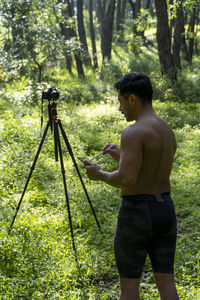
{"points": [[50, 94], [54, 123]]}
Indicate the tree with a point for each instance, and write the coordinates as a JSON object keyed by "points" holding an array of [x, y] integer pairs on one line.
{"points": [[68, 29], [82, 34], [148, 4], [15, 17], [66, 33], [191, 33], [164, 40], [101, 10], [118, 16], [122, 18], [107, 31], [135, 6], [178, 31], [92, 35], [33, 38]]}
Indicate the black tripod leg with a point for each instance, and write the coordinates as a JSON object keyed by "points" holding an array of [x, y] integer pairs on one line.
{"points": [[55, 142], [77, 169], [29, 177], [65, 185]]}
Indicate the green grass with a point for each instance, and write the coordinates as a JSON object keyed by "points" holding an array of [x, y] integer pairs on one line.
{"points": [[36, 259]]}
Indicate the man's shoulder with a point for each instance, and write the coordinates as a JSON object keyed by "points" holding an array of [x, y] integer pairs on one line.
{"points": [[135, 129], [133, 132]]}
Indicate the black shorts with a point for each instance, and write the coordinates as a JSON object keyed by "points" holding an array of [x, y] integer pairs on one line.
{"points": [[146, 225]]}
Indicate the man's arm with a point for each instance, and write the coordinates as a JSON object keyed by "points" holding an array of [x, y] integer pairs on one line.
{"points": [[130, 162]]}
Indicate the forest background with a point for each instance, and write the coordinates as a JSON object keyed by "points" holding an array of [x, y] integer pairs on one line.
{"points": [[81, 48]]}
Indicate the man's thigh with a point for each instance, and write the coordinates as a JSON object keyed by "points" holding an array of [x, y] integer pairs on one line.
{"points": [[131, 239]]}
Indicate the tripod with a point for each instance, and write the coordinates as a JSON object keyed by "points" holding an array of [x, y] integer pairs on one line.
{"points": [[55, 124]]}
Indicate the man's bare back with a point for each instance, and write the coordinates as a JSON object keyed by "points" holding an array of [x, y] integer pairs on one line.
{"points": [[158, 147]]}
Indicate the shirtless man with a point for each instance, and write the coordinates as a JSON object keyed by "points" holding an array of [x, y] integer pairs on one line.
{"points": [[146, 220]]}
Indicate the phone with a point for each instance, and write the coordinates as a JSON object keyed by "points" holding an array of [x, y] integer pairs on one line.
{"points": [[81, 158]]}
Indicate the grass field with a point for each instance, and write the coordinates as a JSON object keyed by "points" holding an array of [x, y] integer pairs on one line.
{"points": [[36, 258]]}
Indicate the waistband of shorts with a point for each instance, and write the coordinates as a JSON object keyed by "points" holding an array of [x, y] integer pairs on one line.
{"points": [[147, 197]]}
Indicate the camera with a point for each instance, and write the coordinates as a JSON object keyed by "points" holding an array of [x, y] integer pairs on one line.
{"points": [[50, 94]]}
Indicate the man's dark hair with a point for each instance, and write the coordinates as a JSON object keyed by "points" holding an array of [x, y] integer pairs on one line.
{"points": [[138, 84]]}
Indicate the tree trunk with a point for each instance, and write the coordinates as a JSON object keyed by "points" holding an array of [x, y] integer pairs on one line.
{"points": [[77, 55], [163, 39], [192, 34], [68, 58], [178, 30], [107, 31], [132, 4], [148, 4], [65, 31], [196, 33], [81, 32], [172, 19], [101, 12], [135, 6], [92, 34], [118, 16], [123, 10], [184, 44]]}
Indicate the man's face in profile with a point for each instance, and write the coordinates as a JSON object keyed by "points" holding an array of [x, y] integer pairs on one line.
{"points": [[126, 106]]}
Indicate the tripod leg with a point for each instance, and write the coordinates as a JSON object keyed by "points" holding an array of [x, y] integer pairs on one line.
{"points": [[77, 169], [55, 141], [65, 185], [29, 177]]}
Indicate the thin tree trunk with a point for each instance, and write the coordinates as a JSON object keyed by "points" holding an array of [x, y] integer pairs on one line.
{"points": [[192, 33], [136, 7], [178, 30], [101, 12], [132, 4], [118, 16], [172, 20], [107, 31], [81, 32], [148, 4], [163, 39], [184, 44], [92, 34], [77, 54], [65, 31], [196, 33], [123, 10]]}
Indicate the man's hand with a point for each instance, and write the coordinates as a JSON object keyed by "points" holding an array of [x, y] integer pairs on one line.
{"points": [[92, 170], [113, 150]]}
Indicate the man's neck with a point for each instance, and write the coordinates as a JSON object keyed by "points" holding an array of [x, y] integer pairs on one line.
{"points": [[144, 111]]}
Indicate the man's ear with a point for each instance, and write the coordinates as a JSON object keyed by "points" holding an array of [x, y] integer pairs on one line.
{"points": [[133, 98]]}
